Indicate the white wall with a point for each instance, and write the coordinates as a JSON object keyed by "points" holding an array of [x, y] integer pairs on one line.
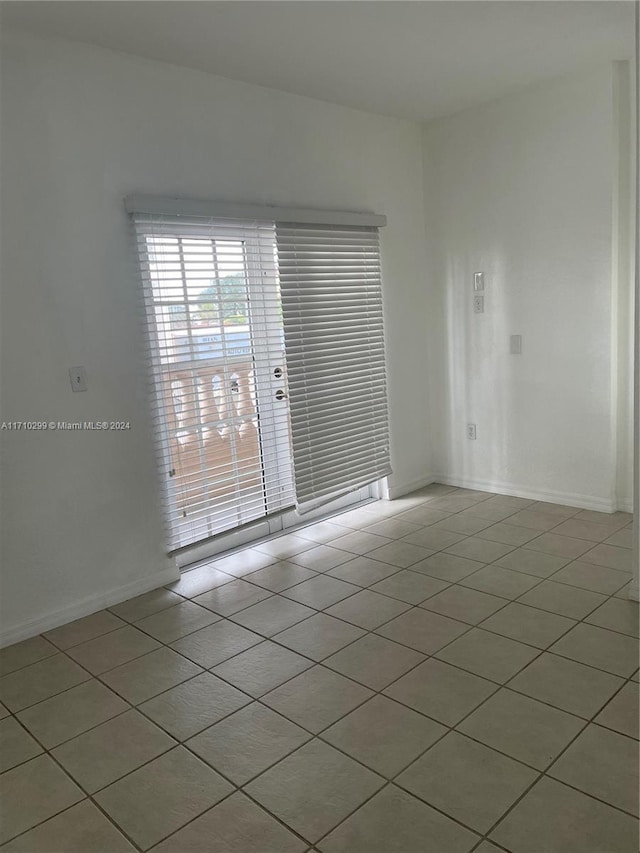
{"points": [[82, 128], [523, 189]]}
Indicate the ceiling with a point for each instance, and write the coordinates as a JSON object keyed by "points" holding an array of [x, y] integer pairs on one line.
{"points": [[416, 60]]}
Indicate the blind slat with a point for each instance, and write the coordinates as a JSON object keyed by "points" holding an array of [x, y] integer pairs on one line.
{"points": [[333, 324]]}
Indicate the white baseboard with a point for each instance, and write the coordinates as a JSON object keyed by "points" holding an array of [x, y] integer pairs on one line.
{"points": [[86, 607], [521, 491], [398, 490]]}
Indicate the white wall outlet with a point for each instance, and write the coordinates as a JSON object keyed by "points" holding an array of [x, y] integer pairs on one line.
{"points": [[478, 304], [78, 378], [515, 344], [471, 431], [478, 281]]}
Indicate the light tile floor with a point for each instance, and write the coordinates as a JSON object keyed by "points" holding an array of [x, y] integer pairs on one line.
{"points": [[448, 672]]}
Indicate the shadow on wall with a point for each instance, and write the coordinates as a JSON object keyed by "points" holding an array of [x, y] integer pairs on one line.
{"points": [[480, 384]]}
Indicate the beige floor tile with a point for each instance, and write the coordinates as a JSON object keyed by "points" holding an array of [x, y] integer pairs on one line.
{"points": [[146, 605], [598, 647], [276, 578], [176, 622], [191, 707], [24, 654], [321, 591], [528, 624], [560, 510], [423, 514], [422, 630], [400, 553], [228, 599], [621, 538], [447, 567], [162, 796], [236, 825], [374, 661], [196, 581], [84, 629], [443, 692], [534, 519], [573, 823], [467, 523], [80, 829], [603, 764], [210, 646], [113, 649], [363, 571], [314, 789], [384, 735], [4, 712], [248, 742], [532, 562], [456, 503], [392, 528], [147, 676], [70, 713], [488, 655], [560, 546], [521, 727], [617, 615], [33, 792], [359, 542], [319, 636], [16, 744], [316, 698], [367, 609], [262, 668], [491, 513], [504, 583], [434, 540], [244, 562], [610, 556], [321, 558], [583, 530], [614, 520], [285, 546], [322, 531], [111, 750], [565, 684], [488, 847], [360, 517], [25, 687], [561, 599], [470, 782], [466, 605], [273, 615], [508, 534], [624, 592], [408, 586], [482, 550], [591, 577], [622, 713], [395, 822]]}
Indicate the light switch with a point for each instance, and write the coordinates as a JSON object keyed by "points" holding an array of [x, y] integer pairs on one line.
{"points": [[478, 281], [515, 346], [78, 378]]}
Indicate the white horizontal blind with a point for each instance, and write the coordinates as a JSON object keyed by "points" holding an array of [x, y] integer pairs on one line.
{"points": [[332, 306], [215, 343]]}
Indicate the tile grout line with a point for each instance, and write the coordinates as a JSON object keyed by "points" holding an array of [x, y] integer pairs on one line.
{"points": [[320, 663]]}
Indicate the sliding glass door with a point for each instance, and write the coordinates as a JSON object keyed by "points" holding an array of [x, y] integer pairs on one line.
{"points": [[217, 350]]}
